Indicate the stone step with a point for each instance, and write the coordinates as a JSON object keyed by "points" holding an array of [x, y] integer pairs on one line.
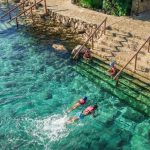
{"points": [[125, 79], [99, 80], [135, 88], [137, 74], [105, 66], [123, 45]]}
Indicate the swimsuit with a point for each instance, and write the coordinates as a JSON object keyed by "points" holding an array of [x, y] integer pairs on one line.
{"points": [[90, 109], [82, 101], [79, 115]]}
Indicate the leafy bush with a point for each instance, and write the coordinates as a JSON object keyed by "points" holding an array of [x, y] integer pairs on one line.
{"points": [[92, 3], [113, 7], [117, 7]]}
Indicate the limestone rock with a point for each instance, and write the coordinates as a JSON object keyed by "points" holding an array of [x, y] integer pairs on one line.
{"points": [[59, 47]]}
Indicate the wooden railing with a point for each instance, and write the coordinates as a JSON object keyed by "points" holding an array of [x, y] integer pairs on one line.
{"points": [[26, 10], [91, 37], [134, 56], [11, 10]]}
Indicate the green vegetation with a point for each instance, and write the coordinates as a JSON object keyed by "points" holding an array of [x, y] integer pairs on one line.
{"points": [[113, 7], [117, 7], [92, 3]]}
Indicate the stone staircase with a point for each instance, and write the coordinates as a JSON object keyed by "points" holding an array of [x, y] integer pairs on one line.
{"points": [[121, 46], [22, 19], [131, 90]]}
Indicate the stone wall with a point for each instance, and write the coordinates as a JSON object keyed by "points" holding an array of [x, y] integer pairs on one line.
{"points": [[76, 25], [139, 6]]}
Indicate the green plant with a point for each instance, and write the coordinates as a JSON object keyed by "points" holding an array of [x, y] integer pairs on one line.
{"points": [[117, 7], [91, 3]]}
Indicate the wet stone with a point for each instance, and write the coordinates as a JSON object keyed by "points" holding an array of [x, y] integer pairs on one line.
{"points": [[48, 95], [10, 84], [133, 116], [121, 143]]}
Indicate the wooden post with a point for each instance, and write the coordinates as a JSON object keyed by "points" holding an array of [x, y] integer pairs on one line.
{"points": [[35, 4], [9, 15], [23, 7], [149, 46], [7, 2], [45, 7], [17, 22], [92, 42], [105, 27], [9, 9], [32, 15], [135, 62]]}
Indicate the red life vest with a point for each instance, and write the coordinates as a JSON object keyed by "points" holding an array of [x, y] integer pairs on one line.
{"points": [[90, 109]]}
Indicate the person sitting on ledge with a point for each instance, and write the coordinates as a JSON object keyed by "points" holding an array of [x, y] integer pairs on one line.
{"points": [[87, 55], [113, 70], [80, 102], [89, 110]]}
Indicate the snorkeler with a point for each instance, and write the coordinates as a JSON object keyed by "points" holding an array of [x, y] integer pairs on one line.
{"points": [[80, 102], [89, 110]]}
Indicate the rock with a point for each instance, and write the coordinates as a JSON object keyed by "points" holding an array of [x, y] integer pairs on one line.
{"points": [[39, 5], [10, 84], [81, 31], [75, 50], [17, 1], [48, 96], [133, 116], [59, 47]]}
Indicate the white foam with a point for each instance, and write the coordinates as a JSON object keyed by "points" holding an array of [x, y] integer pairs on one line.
{"points": [[52, 128]]}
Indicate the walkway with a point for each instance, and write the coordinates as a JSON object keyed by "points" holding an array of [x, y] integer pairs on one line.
{"points": [[137, 27]]}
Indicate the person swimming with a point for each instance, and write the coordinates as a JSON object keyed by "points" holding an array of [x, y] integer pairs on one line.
{"points": [[80, 115], [80, 102], [113, 70]]}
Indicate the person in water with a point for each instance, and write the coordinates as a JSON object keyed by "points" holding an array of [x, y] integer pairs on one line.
{"points": [[89, 110], [113, 70], [80, 102], [87, 55]]}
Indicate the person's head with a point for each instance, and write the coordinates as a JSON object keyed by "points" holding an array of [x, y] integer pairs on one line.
{"points": [[95, 106], [112, 64], [85, 98]]}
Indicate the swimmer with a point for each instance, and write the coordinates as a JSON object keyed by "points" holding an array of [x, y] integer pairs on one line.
{"points": [[113, 70], [80, 102], [87, 55], [89, 110]]}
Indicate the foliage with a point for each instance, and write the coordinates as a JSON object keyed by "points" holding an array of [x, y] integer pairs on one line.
{"points": [[91, 3], [113, 7], [117, 7]]}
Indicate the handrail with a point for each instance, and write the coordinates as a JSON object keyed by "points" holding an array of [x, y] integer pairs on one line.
{"points": [[30, 8], [24, 11], [12, 10], [135, 55], [91, 36]]}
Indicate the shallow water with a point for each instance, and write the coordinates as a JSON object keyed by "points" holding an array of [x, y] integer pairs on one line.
{"points": [[37, 85]]}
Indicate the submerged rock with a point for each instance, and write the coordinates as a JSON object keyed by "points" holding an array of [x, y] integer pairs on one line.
{"points": [[133, 115], [10, 84], [48, 95], [59, 47]]}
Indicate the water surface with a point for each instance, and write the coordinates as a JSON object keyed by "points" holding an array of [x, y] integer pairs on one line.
{"points": [[37, 85]]}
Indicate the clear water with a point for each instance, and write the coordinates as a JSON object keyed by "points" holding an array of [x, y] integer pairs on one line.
{"points": [[37, 85]]}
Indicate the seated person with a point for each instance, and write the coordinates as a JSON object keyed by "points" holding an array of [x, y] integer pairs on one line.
{"points": [[80, 102], [113, 70], [89, 110], [87, 55]]}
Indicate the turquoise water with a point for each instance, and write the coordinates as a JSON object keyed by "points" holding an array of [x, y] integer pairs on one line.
{"points": [[37, 85]]}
